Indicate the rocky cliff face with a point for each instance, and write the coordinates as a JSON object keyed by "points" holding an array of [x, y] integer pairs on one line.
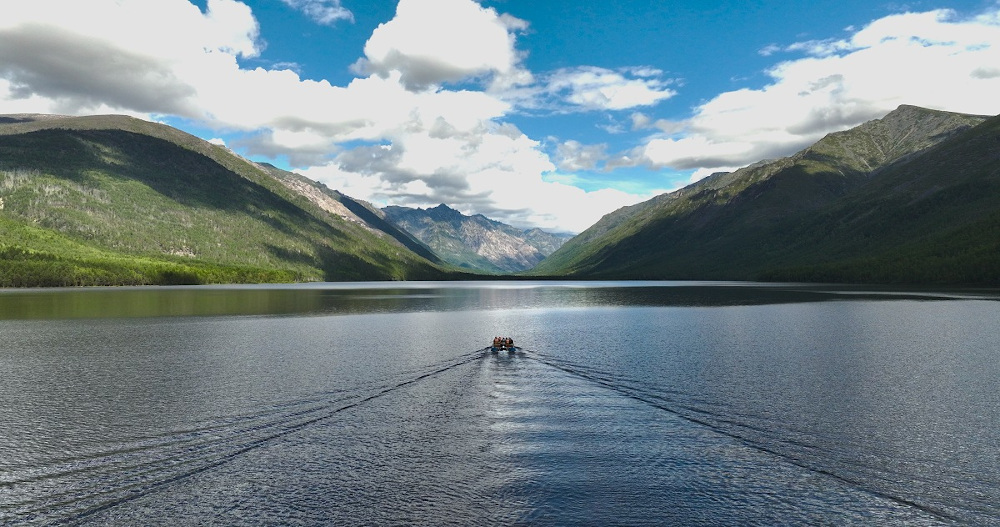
{"points": [[475, 242], [349, 209]]}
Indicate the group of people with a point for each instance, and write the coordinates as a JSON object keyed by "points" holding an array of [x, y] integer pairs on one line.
{"points": [[500, 343]]}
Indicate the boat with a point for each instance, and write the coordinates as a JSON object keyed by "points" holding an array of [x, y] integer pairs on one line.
{"points": [[503, 344]]}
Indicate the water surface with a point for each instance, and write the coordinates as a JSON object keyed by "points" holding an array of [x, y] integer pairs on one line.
{"points": [[631, 403]]}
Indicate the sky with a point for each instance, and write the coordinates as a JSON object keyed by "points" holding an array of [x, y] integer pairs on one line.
{"points": [[542, 114]]}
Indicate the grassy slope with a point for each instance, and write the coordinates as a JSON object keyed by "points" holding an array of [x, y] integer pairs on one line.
{"points": [[788, 219], [37, 257], [156, 205]]}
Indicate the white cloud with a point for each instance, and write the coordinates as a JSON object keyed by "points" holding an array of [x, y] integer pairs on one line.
{"points": [[769, 50], [325, 12], [641, 121], [118, 59], [492, 169], [432, 43], [572, 156], [50, 62], [930, 59], [589, 88]]}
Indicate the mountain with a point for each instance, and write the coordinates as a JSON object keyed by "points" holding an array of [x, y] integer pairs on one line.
{"points": [[360, 212], [104, 200], [912, 197], [475, 242]]}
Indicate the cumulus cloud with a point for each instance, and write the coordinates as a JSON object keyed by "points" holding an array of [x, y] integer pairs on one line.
{"points": [[83, 72], [985, 73], [118, 59], [432, 43], [932, 59], [325, 12]]}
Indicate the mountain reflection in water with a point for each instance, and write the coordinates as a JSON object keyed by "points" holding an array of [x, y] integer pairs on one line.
{"points": [[367, 297]]}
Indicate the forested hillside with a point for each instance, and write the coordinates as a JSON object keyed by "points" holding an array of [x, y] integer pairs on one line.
{"points": [[110, 200], [913, 197]]}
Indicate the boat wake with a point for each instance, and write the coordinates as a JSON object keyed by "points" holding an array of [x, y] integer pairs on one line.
{"points": [[72, 488], [765, 435]]}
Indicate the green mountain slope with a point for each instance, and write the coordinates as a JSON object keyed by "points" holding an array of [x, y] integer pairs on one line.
{"points": [[476, 243], [907, 198], [118, 200]]}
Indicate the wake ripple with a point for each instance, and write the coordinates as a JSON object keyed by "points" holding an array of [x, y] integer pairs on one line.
{"points": [[724, 421], [72, 488]]}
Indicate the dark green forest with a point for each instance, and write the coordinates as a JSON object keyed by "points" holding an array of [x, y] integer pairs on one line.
{"points": [[913, 198]]}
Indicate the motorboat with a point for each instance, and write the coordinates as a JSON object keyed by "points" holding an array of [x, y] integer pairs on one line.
{"points": [[503, 344]]}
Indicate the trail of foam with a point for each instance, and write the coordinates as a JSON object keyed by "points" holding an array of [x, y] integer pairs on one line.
{"points": [[102, 480], [700, 417]]}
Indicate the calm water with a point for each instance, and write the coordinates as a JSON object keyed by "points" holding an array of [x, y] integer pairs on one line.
{"points": [[631, 403]]}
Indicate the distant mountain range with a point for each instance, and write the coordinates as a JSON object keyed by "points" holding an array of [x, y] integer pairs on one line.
{"points": [[475, 242], [913, 197], [111, 200]]}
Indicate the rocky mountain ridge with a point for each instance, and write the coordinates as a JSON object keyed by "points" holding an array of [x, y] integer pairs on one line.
{"points": [[475, 242]]}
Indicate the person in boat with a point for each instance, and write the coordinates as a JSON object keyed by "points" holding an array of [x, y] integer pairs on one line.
{"points": [[502, 343]]}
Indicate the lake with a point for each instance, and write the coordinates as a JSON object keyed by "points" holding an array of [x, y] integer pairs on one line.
{"points": [[630, 403]]}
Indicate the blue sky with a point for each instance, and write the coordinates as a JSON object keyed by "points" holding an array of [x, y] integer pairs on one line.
{"points": [[545, 114]]}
